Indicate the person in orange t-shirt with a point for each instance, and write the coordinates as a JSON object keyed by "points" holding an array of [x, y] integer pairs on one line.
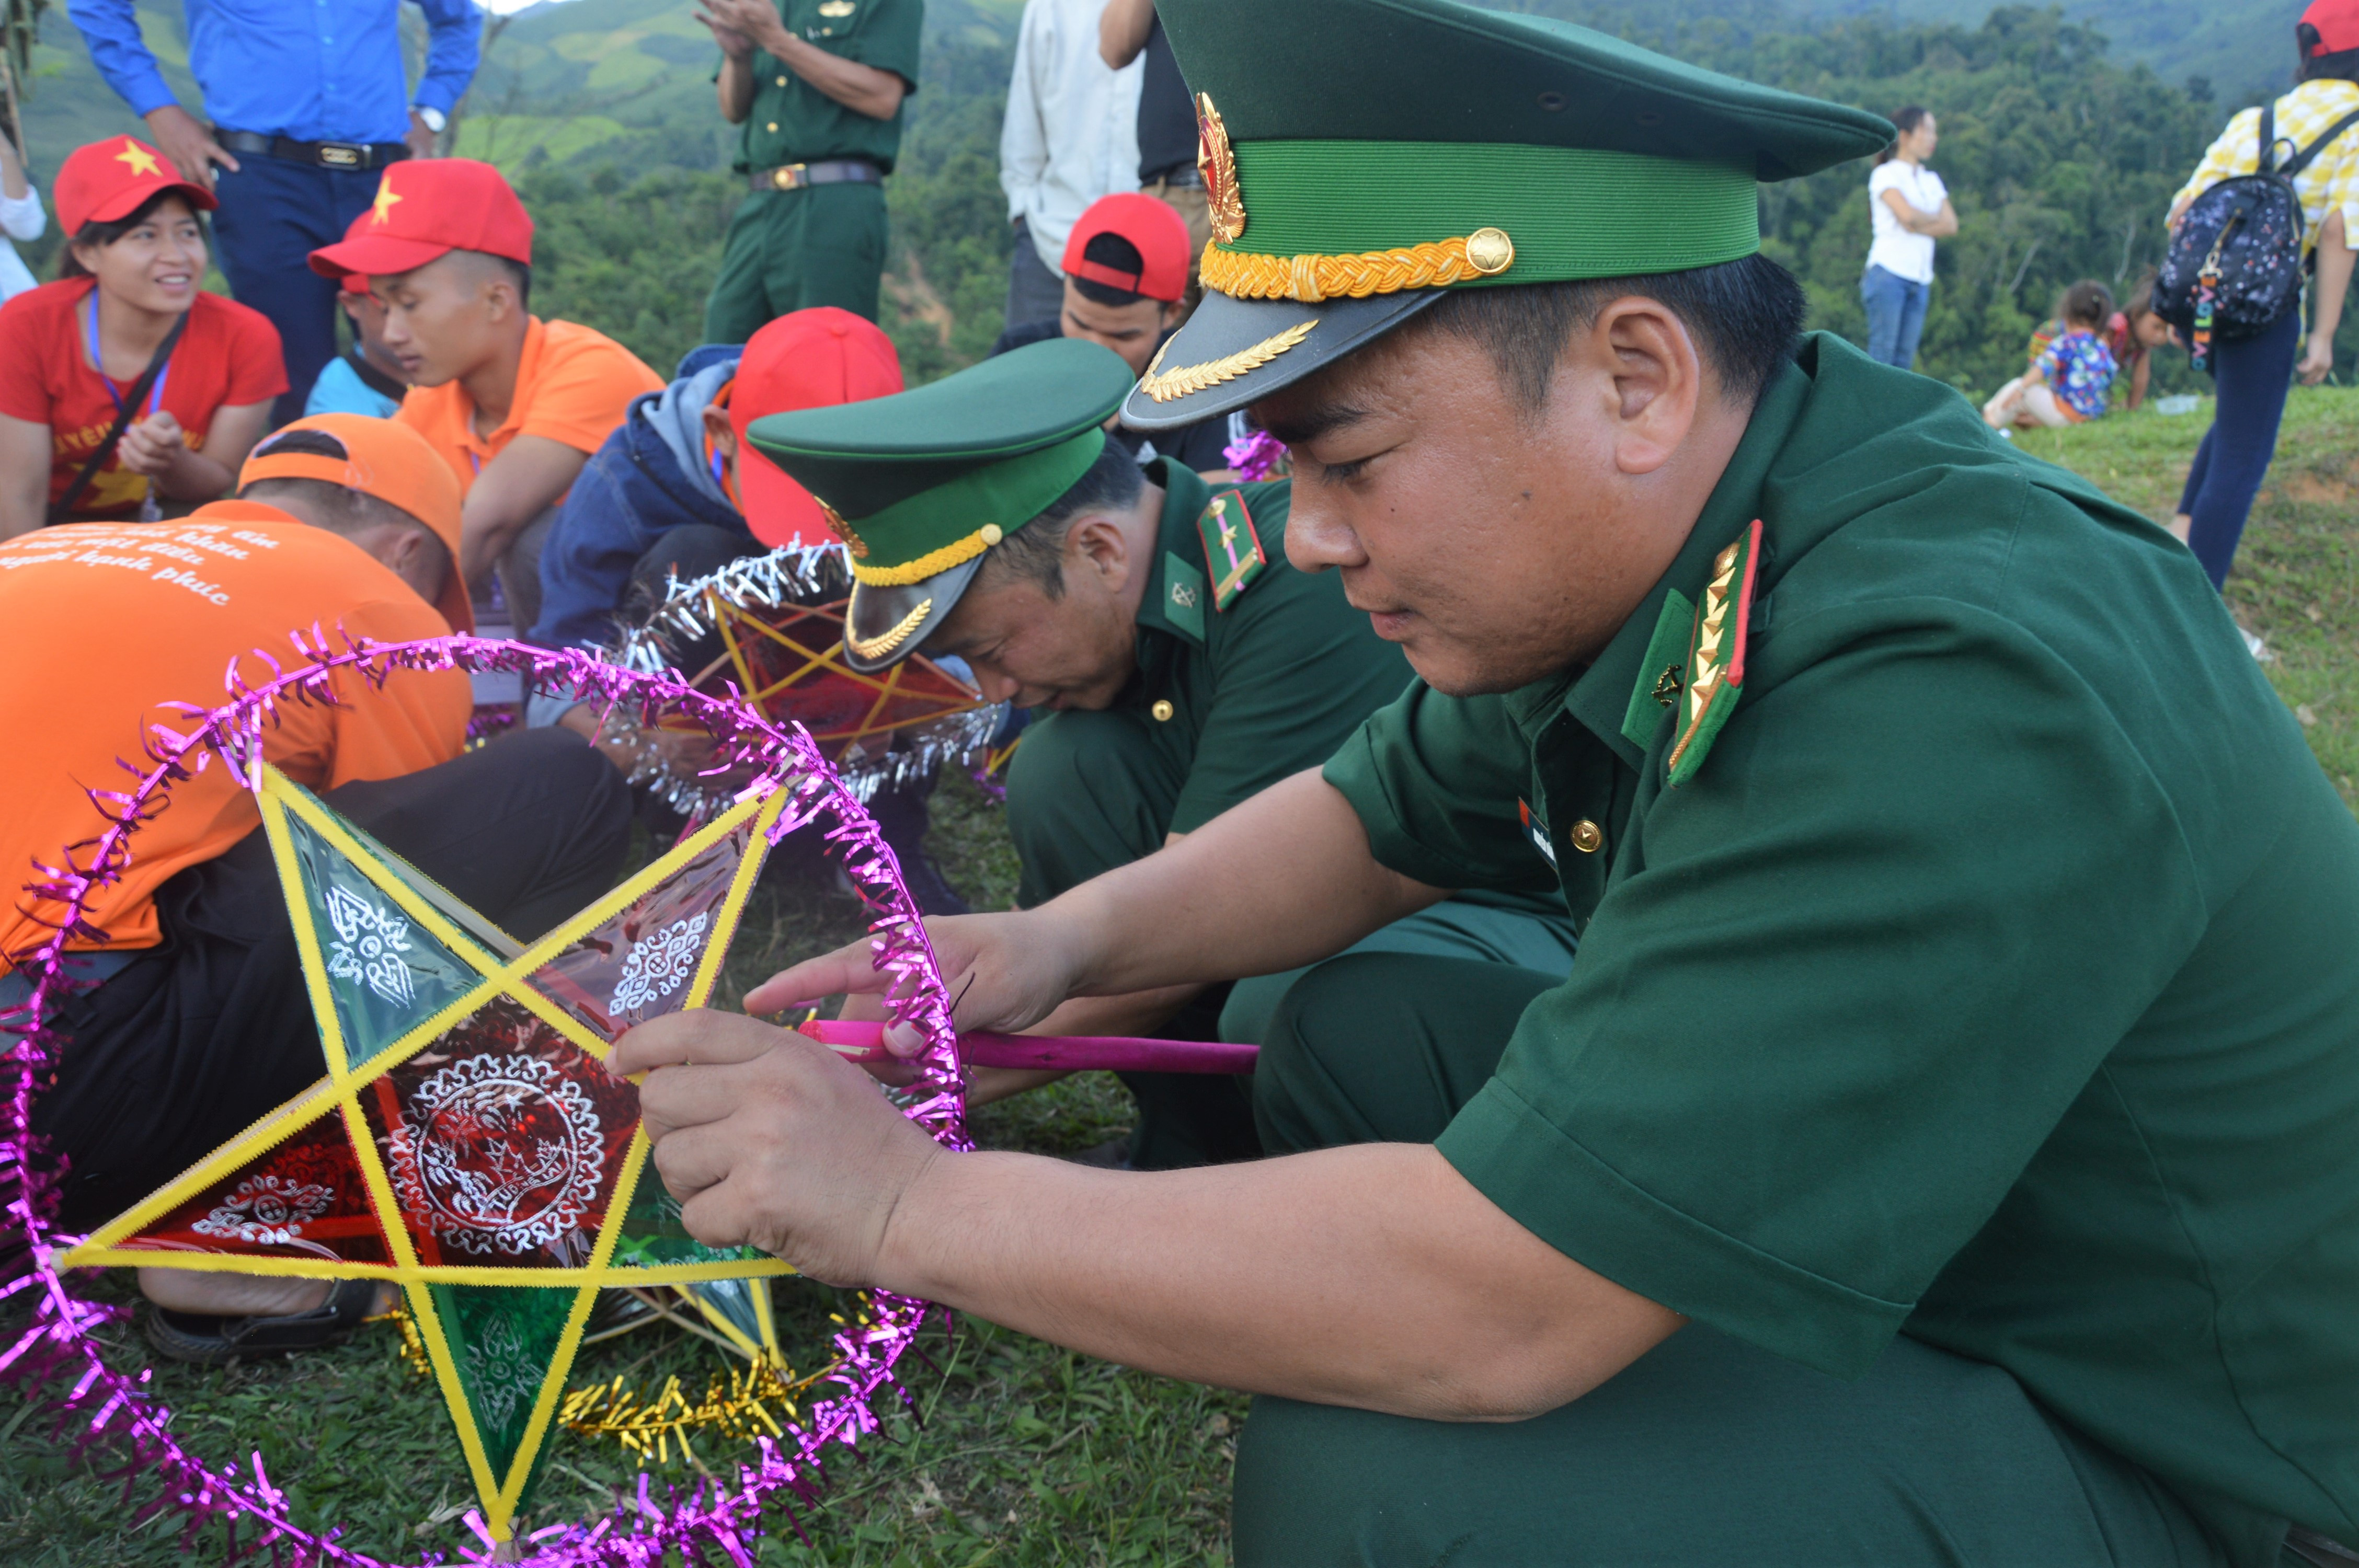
{"points": [[192, 1019], [514, 404]]}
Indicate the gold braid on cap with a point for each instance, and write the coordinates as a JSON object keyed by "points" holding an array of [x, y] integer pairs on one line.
{"points": [[1163, 386], [1486, 252]]}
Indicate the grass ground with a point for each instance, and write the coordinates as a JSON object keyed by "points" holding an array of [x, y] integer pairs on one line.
{"points": [[1025, 1453]]}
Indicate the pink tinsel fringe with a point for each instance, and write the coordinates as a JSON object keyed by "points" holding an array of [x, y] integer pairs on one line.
{"points": [[107, 1418]]}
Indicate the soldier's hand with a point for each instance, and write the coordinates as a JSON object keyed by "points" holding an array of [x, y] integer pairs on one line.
{"points": [[733, 43], [754, 21], [769, 1139], [1007, 971]]}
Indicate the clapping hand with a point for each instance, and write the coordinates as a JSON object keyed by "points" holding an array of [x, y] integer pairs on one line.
{"points": [[735, 24], [152, 445]]}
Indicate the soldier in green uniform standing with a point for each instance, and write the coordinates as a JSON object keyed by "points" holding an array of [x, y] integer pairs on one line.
{"points": [[1940, 1150], [1175, 661], [819, 86]]}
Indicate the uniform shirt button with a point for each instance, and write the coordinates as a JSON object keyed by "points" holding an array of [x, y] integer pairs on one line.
{"points": [[1586, 836], [1162, 709], [772, 127]]}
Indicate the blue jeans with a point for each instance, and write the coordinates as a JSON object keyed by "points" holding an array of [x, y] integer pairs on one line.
{"points": [[274, 213], [1896, 315], [2251, 377]]}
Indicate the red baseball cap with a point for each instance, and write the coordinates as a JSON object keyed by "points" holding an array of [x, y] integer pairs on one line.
{"points": [[427, 207], [388, 460], [2337, 22], [1158, 233], [811, 359], [109, 179]]}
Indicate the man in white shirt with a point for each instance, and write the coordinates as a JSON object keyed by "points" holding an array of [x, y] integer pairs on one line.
{"points": [[1070, 136], [1910, 208]]}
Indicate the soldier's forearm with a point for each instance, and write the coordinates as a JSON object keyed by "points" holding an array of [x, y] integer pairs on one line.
{"points": [[1284, 878], [736, 90], [1374, 1277]]}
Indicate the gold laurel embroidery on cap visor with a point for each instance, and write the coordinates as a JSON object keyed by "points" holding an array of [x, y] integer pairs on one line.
{"points": [[1437, 264], [1163, 386], [893, 636], [1216, 164]]}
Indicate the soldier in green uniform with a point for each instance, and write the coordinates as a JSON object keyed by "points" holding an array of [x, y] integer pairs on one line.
{"points": [[1940, 1152], [1175, 661], [819, 86]]}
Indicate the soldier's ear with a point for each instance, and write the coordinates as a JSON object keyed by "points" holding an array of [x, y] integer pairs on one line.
{"points": [[1096, 543]]}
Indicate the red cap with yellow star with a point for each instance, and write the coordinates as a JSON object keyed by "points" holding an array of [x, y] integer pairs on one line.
{"points": [[109, 179], [426, 208]]}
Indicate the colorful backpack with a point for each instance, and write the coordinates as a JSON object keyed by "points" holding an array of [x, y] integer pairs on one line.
{"points": [[2235, 260]]}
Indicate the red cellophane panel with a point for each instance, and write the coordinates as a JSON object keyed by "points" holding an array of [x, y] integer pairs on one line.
{"points": [[638, 965], [303, 1199], [503, 1141]]}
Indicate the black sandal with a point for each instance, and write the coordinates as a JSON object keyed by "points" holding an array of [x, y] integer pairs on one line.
{"points": [[211, 1341]]}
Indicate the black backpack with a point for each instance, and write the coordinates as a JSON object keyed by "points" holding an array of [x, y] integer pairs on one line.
{"points": [[2235, 264]]}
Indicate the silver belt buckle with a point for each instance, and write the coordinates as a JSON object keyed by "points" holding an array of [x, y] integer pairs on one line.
{"points": [[343, 155]]}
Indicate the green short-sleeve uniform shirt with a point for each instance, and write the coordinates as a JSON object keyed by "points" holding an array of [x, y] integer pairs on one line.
{"points": [[793, 122], [1238, 697], [1992, 980]]}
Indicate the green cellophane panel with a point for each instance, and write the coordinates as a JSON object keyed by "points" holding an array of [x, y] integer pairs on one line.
{"points": [[385, 973], [652, 1234], [504, 1341]]}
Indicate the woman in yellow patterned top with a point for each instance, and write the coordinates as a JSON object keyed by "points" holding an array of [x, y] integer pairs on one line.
{"points": [[2251, 374]]}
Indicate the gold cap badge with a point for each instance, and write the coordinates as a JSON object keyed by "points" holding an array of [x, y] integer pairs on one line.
{"points": [[843, 530], [1218, 166]]}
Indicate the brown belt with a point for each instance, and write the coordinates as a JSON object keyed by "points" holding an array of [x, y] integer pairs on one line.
{"points": [[829, 171]]}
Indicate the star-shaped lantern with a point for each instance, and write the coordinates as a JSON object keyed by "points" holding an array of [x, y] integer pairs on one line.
{"points": [[466, 1143]]}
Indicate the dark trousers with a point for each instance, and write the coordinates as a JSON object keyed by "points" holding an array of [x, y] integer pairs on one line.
{"points": [[793, 250], [274, 213], [2252, 377], [202, 1035], [1088, 792], [1036, 291], [1706, 1450]]}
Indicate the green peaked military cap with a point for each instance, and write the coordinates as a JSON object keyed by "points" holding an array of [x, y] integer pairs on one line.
{"points": [[1361, 156], [919, 484]]}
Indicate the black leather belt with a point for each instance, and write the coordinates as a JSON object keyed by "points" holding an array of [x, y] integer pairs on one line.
{"points": [[327, 155], [829, 171]]}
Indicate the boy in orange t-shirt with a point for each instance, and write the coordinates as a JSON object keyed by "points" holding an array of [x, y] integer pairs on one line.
{"points": [[192, 1019], [514, 404]]}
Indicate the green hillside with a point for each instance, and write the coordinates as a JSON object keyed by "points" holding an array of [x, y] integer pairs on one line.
{"points": [[2062, 147]]}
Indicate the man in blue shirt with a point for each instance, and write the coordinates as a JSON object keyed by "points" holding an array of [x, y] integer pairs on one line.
{"points": [[307, 103]]}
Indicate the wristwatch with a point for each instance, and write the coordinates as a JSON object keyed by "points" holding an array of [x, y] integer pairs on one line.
{"points": [[434, 118]]}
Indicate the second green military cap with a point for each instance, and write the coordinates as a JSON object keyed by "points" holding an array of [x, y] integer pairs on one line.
{"points": [[1361, 156], [920, 484]]}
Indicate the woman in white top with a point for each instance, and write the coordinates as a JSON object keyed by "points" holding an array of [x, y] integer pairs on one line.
{"points": [[1911, 208], [21, 218]]}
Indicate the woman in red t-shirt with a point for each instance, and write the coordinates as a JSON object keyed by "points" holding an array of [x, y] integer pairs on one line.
{"points": [[72, 351]]}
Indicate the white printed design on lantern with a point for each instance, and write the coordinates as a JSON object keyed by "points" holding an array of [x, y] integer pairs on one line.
{"points": [[500, 1154], [502, 1376], [266, 1211], [658, 965], [369, 943]]}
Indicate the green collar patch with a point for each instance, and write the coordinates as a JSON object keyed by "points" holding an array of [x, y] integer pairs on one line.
{"points": [[1661, 674], [1183, 595], [1232, 549], [1715, 662]]}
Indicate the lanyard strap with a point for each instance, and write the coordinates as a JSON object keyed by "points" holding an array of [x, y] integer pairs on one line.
{"points": [[154, 397]]}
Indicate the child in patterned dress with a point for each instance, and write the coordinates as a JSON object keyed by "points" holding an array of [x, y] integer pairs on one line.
{"points": [[2074, 375]]}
